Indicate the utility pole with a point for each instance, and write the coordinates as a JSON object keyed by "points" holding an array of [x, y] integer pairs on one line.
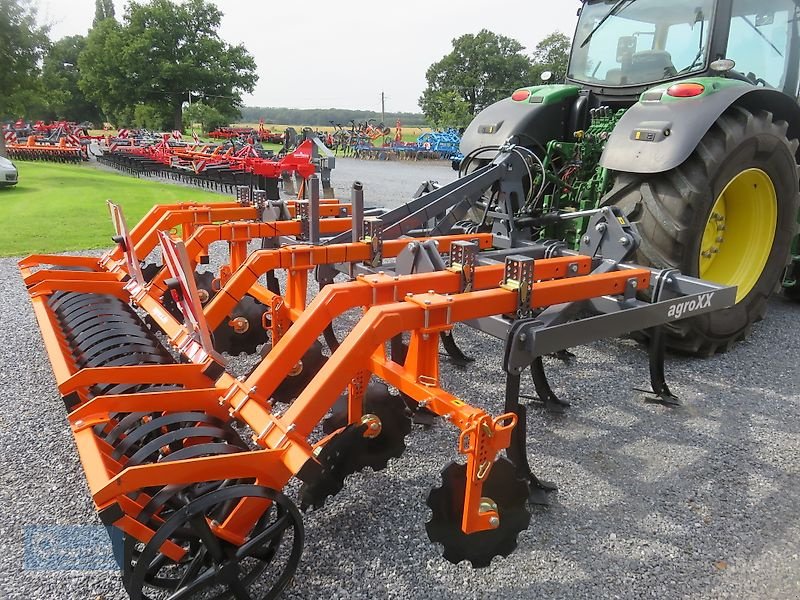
{"points": [[383, 108]]}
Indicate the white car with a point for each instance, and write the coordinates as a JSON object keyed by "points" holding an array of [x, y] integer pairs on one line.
{"points": [[8, 172]]}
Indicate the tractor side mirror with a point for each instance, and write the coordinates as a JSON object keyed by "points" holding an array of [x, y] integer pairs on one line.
{"points": [[626, 47]]}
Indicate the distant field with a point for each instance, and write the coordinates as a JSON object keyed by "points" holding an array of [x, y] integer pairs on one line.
{"points": [[58, 207]]}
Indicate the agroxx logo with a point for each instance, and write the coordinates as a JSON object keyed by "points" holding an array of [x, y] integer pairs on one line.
{"points": [[680, 309]]}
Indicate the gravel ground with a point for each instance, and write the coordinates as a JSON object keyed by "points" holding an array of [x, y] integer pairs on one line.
{"points": [[696, 502]]}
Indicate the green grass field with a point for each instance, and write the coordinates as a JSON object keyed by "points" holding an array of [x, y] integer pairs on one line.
{"points": [[60, 207]]}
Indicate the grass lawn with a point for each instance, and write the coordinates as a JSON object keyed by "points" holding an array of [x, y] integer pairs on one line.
{"points": [[61, 207]]}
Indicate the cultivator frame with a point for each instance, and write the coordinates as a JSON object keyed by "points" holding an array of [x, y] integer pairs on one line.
{"points": [[161, 440], [67, 149]]}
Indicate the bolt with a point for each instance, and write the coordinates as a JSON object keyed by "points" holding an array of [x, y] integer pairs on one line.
{"points": [[624, 241], [494, 522], [427, 302], [381, 272], [586, 239], [720, 239], [715, 250], [297, 369], [431, 292], [706, 254], [523, 337], [411, 246], [601, 227]]}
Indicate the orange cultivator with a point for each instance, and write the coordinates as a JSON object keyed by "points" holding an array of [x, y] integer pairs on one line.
{"points": [[190, 460], [66, 149]]}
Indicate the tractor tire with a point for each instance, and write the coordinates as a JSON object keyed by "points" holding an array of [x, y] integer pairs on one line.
{"points": [[740, 183]]}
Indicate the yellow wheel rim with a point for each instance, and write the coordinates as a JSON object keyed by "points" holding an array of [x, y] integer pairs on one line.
{"points": [[740, 231]]}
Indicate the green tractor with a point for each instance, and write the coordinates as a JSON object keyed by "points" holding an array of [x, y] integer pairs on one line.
{"points": [[684, 115]]}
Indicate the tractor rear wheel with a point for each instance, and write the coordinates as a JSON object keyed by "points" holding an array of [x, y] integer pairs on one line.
{"points": [[728, 214]]}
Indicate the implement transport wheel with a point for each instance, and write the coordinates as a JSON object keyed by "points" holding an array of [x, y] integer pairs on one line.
{"points": [[260, 568], [727, 214]]}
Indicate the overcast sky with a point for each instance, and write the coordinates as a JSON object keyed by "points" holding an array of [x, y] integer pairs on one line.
{"points": [[342, 54]]}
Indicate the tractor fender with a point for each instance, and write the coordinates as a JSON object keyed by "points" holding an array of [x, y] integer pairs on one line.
{"points": [[655, 136], [542, 115]]}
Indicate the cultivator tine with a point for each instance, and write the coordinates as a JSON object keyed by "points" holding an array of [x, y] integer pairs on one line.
{"points": [[544, 392], [517, 452], [656, 349], [455, 353]]}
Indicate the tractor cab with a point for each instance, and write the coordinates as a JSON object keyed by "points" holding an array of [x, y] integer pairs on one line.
{"points": [[623, 47]]}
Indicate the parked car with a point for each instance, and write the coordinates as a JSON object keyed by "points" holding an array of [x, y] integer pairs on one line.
{"points": [[8, 173]]}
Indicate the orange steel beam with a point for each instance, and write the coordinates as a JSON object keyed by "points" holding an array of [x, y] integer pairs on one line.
{"points": [[304, 258], [371, 290]]}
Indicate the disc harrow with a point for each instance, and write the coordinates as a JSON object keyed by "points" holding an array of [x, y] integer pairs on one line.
{"points": [[190, 459], [222, 167], [67, 149]]}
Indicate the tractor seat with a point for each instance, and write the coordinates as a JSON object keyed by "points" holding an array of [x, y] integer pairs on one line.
{"points": [[650, 65]]}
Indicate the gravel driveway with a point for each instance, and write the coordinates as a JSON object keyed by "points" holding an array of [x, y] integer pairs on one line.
{"points": [[702, 501]]}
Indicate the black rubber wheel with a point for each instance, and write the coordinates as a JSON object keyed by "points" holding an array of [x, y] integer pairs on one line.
{"points": [[673, 210]]}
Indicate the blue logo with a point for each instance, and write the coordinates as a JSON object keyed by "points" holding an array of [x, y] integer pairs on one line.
{"points": [[72, 548]]}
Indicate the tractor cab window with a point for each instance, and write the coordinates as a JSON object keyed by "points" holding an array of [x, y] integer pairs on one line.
{"points": [[761, 37], [635, 42]]}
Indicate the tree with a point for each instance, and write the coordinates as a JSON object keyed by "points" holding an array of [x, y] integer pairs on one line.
{"points": [[162, 53], [103, 76], [103, 9], [551, 54], [22, 44], [208, 117], [60, 76], [151, 116], [480, 70], [447, 109]]}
